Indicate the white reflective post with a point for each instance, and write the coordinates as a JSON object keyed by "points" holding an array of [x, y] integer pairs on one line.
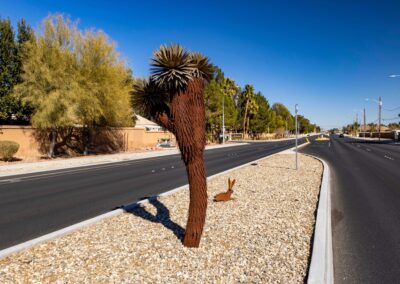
{"points": [[296, 110]]}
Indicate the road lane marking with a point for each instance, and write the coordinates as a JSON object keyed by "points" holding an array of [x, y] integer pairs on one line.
{"points": [[60, 172], [368, 149], [88, 168], [388, 157], [11, 180]]}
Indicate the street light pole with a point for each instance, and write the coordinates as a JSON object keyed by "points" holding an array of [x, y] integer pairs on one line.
{"points": [[223, 120], [356, 124], [365, 124], [296, 110], [380, 117]]}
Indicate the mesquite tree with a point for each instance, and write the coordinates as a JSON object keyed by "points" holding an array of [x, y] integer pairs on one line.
{"points": [[174, 97]]}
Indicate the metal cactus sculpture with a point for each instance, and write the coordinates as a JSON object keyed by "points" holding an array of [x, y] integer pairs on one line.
{"points": [[174, 97]]}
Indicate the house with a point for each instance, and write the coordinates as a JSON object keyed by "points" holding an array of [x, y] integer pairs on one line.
{"points": [[143, 123]]}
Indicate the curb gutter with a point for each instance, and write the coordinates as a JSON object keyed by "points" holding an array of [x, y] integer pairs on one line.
{"points": [[321, 267], [67, 230]]}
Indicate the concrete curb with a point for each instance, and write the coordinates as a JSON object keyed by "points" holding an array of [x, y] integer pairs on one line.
{"points": [[67, 230], [321, 267]]}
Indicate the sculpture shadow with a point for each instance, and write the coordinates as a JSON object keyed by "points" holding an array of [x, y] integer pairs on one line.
{"points": [[162, 216]]}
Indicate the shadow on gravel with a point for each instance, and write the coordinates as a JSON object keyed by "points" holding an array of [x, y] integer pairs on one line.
{"points": [[162, 217]]}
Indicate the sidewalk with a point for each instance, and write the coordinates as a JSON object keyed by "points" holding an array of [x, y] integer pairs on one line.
{"points": [[279, 139], [58, 164]]}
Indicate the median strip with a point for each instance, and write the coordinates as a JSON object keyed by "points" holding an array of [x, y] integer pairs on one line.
{"points": [[263, 235]]}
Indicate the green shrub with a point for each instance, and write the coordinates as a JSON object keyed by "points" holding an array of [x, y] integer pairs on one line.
{"points": [[8, 149]]}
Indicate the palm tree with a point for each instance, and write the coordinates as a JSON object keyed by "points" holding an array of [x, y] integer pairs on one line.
{"points": [[252, 110], [174, 97], [248, 95]]}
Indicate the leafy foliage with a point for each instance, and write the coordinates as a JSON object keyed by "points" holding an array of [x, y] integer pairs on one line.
{"points": [[11, 52], [8, 67], [218, 90], [105, 83], [74, 78], [49, 80], [261, 117]]}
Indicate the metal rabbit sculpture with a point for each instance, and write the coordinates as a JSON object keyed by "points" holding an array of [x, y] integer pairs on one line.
{"points": [[225, 196]]}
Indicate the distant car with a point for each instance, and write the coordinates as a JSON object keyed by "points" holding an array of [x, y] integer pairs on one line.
{"points": [[341, 135]]}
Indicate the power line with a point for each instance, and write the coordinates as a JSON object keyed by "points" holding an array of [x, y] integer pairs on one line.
{"points": [[394, 118], [393, 109]]}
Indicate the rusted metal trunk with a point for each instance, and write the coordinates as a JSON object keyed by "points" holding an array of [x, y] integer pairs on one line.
{"points": [[198, 202], [188, 113]]}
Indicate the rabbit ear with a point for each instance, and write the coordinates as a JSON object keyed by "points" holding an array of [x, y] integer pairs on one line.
{"points": [[229, 182], [232, 184]]}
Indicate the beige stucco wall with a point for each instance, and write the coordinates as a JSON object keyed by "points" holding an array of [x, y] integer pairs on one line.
{"points": [[133, 138], [23, 135]]}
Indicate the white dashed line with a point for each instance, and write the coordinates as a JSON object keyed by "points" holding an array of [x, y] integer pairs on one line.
{"points": [[10, 180], [388, 157], [368, 149]]}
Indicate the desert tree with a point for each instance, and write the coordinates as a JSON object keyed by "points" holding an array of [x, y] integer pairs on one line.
{"points": [[283, 112], [73, 78], [214, 93], [261, 119], [174, 97], [49, 79], [8, 67], [105, 85]]}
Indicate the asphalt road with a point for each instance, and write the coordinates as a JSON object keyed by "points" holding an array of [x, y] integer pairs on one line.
{"points": [[365, 208], [32, 205]]}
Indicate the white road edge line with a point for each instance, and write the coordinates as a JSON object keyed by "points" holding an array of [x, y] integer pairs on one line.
{"points": [[67, 230], [321, 266]]}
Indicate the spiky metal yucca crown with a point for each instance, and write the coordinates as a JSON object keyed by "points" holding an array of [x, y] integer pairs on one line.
{"points": [[173, 67], [148, 97]]}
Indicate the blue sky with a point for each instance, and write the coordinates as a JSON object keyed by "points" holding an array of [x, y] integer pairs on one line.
{"points": [[327, 56]]}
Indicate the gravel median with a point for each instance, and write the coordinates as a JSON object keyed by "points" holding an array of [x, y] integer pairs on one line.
{"points": [[262, 236]]}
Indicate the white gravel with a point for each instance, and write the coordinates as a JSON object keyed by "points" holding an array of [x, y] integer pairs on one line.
{"points": [[262, 236]]}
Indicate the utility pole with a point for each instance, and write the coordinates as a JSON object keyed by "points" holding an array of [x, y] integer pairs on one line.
{"points": [[365, 123], [380, 116], [356, 124], [296, 109], [223, 120], [286, 127]]}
